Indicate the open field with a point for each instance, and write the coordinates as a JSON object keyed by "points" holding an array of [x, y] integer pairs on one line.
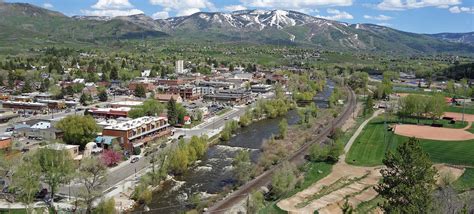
{"points": [[370, 147]]}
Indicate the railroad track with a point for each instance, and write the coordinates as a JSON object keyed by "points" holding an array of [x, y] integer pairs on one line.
{"points": [[298, 157]]}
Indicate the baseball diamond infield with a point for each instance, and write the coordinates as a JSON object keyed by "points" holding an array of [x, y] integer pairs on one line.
{"points": [[438, 133]]}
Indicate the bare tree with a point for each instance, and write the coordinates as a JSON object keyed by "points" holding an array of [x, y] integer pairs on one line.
{"points": [[92, 174]]}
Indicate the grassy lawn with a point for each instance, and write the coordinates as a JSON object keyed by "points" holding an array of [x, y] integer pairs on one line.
{"points": [[369, 148], [466, 181], [469, 109]]}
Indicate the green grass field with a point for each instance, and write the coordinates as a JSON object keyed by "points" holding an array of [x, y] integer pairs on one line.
{"points": [[466, 181], [469, 109], [370, 147]]}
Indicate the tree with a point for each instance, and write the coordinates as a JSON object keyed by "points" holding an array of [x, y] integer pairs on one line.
{"points": [[408, 180], [150, 107], [359, 80], [110, 157], [78, 130], [26, 181], [140, 91], [85, 99], [103, 97], [114, 73], [284, 179], [56, 167], [242, 166], [172, 112], [105, 207], [92, 174], [256, 202], [369, 105], [179, 161], [26, 87], [283, 128]]}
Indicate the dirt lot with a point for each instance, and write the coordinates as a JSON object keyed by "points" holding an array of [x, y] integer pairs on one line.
{"points": [[433, 133]]}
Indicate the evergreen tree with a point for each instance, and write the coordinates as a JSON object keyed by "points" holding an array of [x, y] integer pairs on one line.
{"points": [[408, 180], [114, 73], [140, 91], [103, 95], [27, 87], [172, 112]]}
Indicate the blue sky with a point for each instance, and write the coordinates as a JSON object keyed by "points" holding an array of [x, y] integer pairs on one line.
{"points": [[420, 16]]}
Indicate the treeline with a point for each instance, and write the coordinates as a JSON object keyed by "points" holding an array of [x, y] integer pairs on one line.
{"points": [[422, 106]]}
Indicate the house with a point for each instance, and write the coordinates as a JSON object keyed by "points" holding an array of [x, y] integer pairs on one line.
{"points": [[187, 120], [139, 131], [169, 82], [5, 143], [90, 90], [164, 98]]}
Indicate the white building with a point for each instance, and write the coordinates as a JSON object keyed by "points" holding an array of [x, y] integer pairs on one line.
{"points": [[179, 67]]}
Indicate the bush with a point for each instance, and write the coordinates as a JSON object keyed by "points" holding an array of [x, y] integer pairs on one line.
{"points": [[137, 150], [110, 157]]}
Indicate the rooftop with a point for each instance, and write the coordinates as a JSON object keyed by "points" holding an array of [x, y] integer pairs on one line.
{"points": [[135, 123]]}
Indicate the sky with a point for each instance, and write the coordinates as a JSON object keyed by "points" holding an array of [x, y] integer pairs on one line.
{"points": [[418, 16]]}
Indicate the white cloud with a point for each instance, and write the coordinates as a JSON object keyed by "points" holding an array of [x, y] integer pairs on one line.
{"points": [[111, 13], [457, 9], [234, 8], [295, 4], [336, 15], [413, 4], [184, 7], [379, 17], [188, 11], [48, 5], [112, 4], [160, 15]]}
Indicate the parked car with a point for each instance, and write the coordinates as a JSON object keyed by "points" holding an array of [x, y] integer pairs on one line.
{"points": [[134, 159], [181, 137]]}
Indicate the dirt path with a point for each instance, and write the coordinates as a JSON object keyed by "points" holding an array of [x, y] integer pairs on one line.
{"points": [[359, 130], [356, 192]]}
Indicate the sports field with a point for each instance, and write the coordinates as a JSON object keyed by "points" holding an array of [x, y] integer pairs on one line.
{"points": [[370, 147]]}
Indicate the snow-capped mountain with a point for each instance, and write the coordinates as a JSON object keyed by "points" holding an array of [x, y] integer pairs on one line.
{"points": [[252, 26]]}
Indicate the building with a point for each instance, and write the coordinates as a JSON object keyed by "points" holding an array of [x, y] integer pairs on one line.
{"points": [[138, 132], [187, 92], [179, 67], [169, 82], [72, 150], [109, 113], [229, 97], [90, 90], [148, 86], [6, 116], [261, 88], [164, 98], [37, 129], [18, 105], [128, 103]]}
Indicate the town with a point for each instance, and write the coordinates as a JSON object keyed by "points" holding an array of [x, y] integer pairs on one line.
{"points": [[123, 106]]}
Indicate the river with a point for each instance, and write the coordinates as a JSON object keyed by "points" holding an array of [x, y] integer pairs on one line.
{"points": [[214, 172]]}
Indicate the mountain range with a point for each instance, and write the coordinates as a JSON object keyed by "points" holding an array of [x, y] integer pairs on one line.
{"points": [[28, 24]]}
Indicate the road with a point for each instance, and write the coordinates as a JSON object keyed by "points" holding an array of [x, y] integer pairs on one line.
{"points": [[297, 158]]}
